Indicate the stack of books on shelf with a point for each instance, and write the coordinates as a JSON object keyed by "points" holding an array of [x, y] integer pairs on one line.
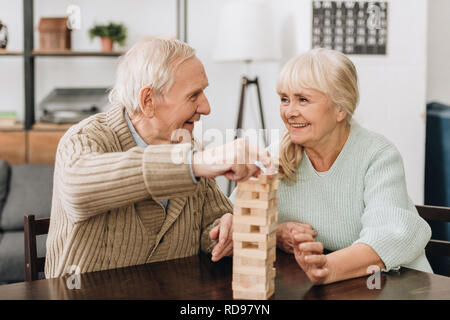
{"points": [[8, 119]]}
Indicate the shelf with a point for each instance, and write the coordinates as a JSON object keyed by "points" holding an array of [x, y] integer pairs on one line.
{"points": [[70, 53], [4, 52], [43, 126], [8, 126], [39, 126], [31, 53]]}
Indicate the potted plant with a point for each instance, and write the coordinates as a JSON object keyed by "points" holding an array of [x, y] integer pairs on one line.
{"points": [[109, 33]]}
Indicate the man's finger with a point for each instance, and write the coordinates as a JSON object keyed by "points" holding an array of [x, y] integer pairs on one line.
{"points": [[301, 226], [288, 249], [251, 171], [319, 260], [302, 237], [239, 171], [220, 251], [293, 224], [313, 247], [213, 233], [224, 230], [319, 272], [261, 155], [225, 252], [224, 234], [299, 229]]}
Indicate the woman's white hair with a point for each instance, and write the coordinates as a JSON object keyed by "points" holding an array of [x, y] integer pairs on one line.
{"points": [[325, 70], [147, 63]]}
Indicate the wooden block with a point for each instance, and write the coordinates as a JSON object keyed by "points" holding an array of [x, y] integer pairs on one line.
{"points": [[252, 253], [257, 271], [263, 187], [256, 204], [254, 282], [251, 220], [254, 187], [251, 286], [247, 228], [256, 195], [239, 211], [251, 237], [247, 280], [253, 241], [243, 245], [270, 228], [262, 179], [253, 295], [244, 195], [256, 221], [263, 212], [268, 195], [255, 262]]}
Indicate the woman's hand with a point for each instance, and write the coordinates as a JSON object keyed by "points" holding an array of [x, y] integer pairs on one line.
{"points": [[310, 257], [284, 234], [223, 233]]}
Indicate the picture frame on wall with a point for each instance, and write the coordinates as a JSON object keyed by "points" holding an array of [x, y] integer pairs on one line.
{"points": [[351, 27]]}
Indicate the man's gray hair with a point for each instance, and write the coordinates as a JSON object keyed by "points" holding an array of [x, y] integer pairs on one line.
{"points": [[147, 63]]}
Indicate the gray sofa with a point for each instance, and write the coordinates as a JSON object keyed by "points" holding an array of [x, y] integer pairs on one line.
{"points": [[24, 189]]}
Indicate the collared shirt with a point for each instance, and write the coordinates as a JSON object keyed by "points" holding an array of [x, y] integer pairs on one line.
{"points": [[141, 143]]}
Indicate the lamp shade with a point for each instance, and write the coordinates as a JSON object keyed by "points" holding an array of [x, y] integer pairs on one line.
{"points": [[246, 32]]}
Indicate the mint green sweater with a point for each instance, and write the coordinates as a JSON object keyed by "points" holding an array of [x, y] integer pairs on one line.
{"points": [[361, 198]]}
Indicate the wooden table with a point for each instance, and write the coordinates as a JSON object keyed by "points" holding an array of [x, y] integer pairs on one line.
{"points": [[197, 278]]}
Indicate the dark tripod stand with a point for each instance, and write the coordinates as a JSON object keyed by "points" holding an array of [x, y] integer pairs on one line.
{"points": [[245, 83]]}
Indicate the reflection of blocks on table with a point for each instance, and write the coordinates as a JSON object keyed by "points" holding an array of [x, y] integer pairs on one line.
{"points": [[254, 238]]}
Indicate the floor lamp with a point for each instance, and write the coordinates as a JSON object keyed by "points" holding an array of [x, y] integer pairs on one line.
{"points": [[246, 34], [246, 82]]}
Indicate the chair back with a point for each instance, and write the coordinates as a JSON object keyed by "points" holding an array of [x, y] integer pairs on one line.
{"points": [[435, 247], [33, 264]]}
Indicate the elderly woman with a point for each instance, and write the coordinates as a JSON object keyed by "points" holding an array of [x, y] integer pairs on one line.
{"points": [[343, 187]]}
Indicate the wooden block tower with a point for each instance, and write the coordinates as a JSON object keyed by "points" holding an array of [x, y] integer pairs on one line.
{"points": [[254, 238]]}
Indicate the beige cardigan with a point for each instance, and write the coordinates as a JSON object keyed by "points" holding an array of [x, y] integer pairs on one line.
{"points": [[105, 209]]}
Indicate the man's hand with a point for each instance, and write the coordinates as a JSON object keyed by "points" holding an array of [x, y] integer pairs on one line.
{"points": [[223, 233], [284, 234], [310, 257], [234, 160]]}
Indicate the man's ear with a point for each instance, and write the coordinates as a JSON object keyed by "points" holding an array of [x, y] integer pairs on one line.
{"points": [[147, 101]]}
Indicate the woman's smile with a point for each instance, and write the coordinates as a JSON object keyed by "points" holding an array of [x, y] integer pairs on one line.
{"points": [[299, 126]]}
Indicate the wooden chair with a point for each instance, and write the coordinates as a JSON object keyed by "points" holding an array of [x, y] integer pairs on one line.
{"points": [[32, 228], [441, 214]]}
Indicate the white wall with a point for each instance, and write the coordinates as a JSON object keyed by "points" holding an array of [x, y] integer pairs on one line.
{"points": [[438, 75], [393, 87]]}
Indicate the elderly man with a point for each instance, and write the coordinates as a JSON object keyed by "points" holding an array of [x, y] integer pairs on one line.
{"points": [[126, 192]]}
